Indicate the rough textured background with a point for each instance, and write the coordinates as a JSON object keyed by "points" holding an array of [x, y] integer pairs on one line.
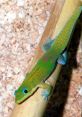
{"points": [[22, 23]]}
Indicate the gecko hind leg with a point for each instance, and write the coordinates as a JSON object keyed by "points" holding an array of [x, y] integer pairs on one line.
{"points": [[62, 58], [47, 45]]}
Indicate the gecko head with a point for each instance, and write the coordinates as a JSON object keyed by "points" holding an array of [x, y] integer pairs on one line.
{"points": [[22, 94]]}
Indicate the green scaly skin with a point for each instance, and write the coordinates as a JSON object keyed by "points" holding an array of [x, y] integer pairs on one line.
{"points": [[47, 63]]}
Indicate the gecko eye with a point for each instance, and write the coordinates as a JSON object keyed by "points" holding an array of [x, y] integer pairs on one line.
{"points": [[25, 91]]}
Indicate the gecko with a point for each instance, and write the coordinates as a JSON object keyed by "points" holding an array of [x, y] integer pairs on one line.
{"points": [[47, 63]]}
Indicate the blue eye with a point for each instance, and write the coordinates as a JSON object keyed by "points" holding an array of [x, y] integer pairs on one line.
{"points": [[25, 90]]}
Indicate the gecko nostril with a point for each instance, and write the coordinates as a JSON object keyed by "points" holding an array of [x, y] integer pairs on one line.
{"points": [[15, 92]]}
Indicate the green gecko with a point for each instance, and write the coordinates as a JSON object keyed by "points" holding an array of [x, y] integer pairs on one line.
{"points": [[47, 63]]}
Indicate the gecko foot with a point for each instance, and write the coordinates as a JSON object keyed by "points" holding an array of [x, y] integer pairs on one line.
{"points": [[46, 94]]}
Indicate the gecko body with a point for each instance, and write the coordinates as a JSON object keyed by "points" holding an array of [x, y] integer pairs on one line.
{"points": [[47, 63]]}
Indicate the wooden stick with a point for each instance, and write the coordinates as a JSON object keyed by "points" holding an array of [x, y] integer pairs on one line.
{"points": [[55, 14], [35, 105]]}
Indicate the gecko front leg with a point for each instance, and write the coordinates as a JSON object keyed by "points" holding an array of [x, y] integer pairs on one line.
{"points": [[47, 90]]}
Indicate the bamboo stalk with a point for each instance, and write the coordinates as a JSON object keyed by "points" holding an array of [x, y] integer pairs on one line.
{"points": [[36, 105]]}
